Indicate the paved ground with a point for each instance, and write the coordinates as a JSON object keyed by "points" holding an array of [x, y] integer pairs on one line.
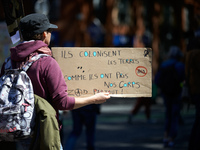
{"points": [[114, 133]]}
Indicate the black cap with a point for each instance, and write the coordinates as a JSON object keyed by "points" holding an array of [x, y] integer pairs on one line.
{"points": [[35, 23]]}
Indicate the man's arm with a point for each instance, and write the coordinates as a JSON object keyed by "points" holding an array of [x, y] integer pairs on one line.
{"points": [[98, 98]]}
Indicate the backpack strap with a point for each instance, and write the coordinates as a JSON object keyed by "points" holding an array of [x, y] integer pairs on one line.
{"points": [[26, 66], [8, 64]]}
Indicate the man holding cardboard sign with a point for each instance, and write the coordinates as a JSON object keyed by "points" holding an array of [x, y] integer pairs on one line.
{"points": [[45, 74]]}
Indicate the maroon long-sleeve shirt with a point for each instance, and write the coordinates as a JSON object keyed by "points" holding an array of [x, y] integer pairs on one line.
{"points": [[45, 74]]}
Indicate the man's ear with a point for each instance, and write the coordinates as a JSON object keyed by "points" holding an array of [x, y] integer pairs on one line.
{"points": [[44, 34]]}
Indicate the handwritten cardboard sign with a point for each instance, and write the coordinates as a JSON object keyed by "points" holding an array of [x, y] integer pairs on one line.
{"points": [[124, 72]]}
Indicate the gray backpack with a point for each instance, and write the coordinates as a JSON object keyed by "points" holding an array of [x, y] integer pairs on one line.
{"points": [[16, 102]]}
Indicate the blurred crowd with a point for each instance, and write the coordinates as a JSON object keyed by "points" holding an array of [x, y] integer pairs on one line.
{"points": [[172, 31]]}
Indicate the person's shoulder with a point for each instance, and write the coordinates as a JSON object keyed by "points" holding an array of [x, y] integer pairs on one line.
{"points": [[48, 61], [167, 63]]}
